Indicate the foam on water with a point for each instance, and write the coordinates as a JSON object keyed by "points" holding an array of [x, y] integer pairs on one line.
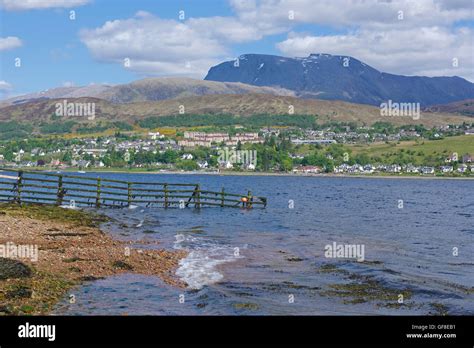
{"points": [[200, 267]]}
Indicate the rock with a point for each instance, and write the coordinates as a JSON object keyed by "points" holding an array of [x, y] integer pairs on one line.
{"points": [[5, 310], [10, 268], [90, 278], [19, 292], [122, 265]]}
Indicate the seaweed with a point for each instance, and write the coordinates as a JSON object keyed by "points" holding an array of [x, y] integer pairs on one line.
{"points": [[12, 269]]}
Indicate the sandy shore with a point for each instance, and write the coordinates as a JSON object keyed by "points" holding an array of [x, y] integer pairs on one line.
{"points": [[71, 250]]}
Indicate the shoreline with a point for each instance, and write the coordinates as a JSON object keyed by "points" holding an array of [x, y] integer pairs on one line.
{"points": [[231, 173], [70, 250]]}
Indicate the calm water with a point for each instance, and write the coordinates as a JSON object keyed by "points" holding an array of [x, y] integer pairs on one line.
{"points": [[268, 261]]}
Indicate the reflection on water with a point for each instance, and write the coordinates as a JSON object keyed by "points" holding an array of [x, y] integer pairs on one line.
{"points": [[272, 261]]}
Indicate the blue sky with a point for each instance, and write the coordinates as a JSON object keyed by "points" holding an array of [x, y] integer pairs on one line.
{"points": [[52, 53], [432, 38]]}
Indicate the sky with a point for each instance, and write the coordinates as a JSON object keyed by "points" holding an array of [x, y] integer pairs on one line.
{"points": [[51, 43]]}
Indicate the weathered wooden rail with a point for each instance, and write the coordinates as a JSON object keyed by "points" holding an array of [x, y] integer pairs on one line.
{"points": [[63, 189]]}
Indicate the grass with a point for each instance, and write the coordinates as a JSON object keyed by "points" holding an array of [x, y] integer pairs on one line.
{"points": [[420, 149]]}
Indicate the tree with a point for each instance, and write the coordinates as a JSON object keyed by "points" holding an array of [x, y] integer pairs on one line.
{"points": [[187, 165], [286, 163], [169, 156], [362, 159], [67, 157]]}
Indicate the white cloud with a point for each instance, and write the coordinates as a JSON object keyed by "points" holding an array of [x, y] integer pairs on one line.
{"points": [[225, 29], [10, 42], [5, 89], [19, 5], [166, 47], [5, 86], [342, 13]]}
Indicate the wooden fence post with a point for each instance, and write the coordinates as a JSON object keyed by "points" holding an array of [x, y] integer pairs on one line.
{"points": [[97, 199], [249, 199], [197, 202], [165, 187], [19, 184], [222, 197], [129, 193], [60, 193]]}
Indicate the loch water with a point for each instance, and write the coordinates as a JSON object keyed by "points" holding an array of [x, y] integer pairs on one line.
{"points": [[417, 238]]}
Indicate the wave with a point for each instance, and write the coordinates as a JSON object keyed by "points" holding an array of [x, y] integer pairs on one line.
{"points": [[200, 267]]}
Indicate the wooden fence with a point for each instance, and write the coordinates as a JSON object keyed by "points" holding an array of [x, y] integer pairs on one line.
{"points": [[72, 190]]}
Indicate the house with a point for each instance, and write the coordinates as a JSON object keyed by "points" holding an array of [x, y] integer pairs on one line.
{"points": [[55, 163], [187, 156], [463, 168], [296, 156], [307, 169], [467, 158], [249, 166], [226, 165], [427, 170], [96, 152], [356, 168], [27, 164], [446, 169], [203, 164], [83, 163], [369, 169], [394, 168], [341, 169], [155, 135], [412, 169], [452, 158]]}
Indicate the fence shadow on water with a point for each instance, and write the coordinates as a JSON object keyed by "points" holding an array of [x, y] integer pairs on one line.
{"points": [[63, 189]]}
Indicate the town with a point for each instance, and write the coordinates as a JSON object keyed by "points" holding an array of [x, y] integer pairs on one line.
{"points": [[331, 148]]}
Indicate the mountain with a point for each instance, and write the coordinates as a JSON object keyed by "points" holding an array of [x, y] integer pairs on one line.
{"points": [[463, 107], [59, 92], [150, 89], [39, 111], [325, 76], [154, 89]]}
